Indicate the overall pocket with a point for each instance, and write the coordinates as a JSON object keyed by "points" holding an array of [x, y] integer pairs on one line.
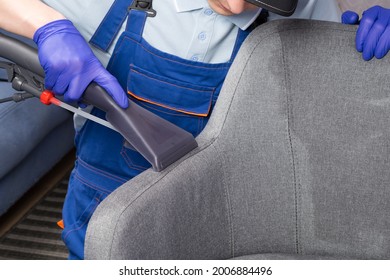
{"points": [[184, 104]]}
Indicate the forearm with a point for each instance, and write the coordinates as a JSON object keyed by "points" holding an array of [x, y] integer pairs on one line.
{"points": [[24, 17]]}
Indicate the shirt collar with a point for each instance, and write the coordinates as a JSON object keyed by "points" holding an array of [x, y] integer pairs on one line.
{"points": [[189, 5], [243, 21]]}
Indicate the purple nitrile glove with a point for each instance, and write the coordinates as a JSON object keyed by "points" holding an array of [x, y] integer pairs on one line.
{"points": [[373, 34], [70, 65]]}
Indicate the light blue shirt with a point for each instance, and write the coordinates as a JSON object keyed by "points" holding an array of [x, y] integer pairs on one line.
{"points": [[191, 30], [186, 28], [327, 10]]}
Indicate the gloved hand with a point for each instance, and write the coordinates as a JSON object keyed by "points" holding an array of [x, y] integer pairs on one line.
{"points": [[373, 34], [70, 65]]}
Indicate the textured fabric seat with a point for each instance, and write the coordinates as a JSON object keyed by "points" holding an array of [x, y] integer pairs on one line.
{"points": [[293, 164]]}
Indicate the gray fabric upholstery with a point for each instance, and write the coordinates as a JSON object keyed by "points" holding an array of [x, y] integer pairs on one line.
{"points": [[294, 161]]}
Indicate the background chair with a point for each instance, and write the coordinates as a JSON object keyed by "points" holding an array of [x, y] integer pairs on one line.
{"points": [[33, 139], [293, 164]]}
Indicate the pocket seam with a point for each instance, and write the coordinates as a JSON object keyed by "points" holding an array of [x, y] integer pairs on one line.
{"points": [[169, 107], [129, 161]]}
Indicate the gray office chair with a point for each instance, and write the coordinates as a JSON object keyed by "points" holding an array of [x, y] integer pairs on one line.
{"points": [[293, 164]]}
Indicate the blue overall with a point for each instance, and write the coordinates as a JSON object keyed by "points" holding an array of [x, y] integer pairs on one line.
{"points": [[181, 91]]}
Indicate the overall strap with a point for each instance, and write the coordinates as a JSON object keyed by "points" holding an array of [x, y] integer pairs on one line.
{"points": [[242, 34], [135, 24], [113, 21]]}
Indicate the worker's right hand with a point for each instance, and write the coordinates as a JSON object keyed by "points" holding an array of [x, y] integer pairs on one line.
{"points": [[70, 65]]}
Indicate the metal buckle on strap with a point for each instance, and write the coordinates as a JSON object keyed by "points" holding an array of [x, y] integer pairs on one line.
{"points": [[143, 5]]}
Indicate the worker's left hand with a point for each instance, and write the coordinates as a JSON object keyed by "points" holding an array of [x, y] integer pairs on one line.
{"points": [[373, 34]]}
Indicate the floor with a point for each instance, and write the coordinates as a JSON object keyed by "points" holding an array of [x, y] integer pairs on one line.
{"points": [[37, 236], [29, 231]]}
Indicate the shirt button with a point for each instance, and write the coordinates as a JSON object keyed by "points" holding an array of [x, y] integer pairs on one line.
{"points": [[202, 36], [194, 58], [208, 12]]}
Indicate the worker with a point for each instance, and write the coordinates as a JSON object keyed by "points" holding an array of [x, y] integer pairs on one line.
{"points": [[170, 57]]}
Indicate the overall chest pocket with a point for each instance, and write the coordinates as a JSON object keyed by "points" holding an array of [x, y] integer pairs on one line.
{"points": [[184, 104]]}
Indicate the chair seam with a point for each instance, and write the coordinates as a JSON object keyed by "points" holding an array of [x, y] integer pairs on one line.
{"points": [[290, 120]]}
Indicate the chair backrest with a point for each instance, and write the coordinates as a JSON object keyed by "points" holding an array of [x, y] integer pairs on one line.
{"points": [[294, 160]]}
